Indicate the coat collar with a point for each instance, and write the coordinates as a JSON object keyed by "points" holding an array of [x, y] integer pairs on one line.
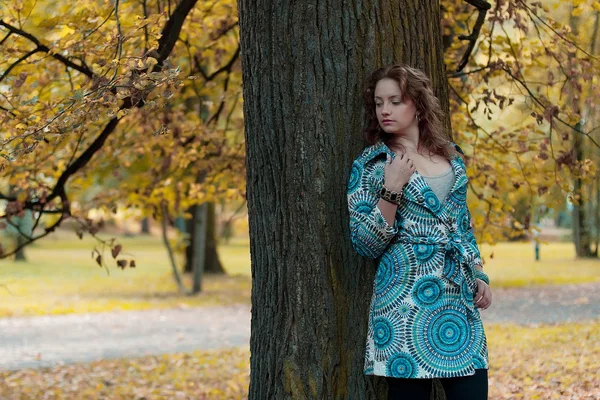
{"points": [[417, 190]]}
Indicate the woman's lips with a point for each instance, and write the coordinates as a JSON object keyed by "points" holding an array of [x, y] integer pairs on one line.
{"points": [[387, 121]]}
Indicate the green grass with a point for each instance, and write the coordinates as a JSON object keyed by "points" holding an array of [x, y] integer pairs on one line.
{"points": [[61, 277], [514, 265]]}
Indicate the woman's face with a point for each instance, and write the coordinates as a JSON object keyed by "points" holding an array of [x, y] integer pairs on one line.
{"points": [[395, 115]]}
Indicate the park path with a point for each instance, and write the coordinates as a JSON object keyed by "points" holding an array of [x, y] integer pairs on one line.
{"points": [[27, 342]]}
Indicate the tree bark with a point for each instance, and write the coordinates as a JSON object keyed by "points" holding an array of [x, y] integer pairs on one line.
{"points": [[304, 66], [212, 262]]}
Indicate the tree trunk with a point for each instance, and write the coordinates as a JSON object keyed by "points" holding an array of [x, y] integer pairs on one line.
{"points": [[199, 244], [145, 226], [20, 254], [581, 212], [304, 66], [581, 234], [212, 263]]}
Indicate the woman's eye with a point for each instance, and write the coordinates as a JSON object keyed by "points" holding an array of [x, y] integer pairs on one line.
{"points": [[378, 104], [396, 103]]}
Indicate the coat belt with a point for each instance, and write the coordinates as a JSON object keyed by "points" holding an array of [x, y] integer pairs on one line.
{"points": [[453, 246]]}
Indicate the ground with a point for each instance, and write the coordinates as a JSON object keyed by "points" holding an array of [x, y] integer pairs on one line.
{"points": [[543, 328]]}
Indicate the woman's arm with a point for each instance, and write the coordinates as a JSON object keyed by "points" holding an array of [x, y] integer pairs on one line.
{"points": [[372, 223]]}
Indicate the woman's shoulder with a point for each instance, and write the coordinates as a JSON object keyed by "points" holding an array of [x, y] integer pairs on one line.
{"points": [[373, 152]]}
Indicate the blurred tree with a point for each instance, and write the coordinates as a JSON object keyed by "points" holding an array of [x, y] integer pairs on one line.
{"points": [[93, 98]]}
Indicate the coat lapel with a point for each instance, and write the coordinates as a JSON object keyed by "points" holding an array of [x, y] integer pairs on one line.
{"points": [[417, 190]]}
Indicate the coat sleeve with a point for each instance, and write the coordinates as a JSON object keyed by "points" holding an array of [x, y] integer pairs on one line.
{"points": [[476, 260], [369, 231]]}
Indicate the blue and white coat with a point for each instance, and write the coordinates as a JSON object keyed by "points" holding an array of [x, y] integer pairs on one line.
{"points": [[422, 322]]}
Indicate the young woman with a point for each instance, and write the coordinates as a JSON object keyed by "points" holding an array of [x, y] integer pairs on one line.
{"points": [[407, 200]]}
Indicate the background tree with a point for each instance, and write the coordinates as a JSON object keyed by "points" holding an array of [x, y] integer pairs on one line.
{"points": [[97, 99]]}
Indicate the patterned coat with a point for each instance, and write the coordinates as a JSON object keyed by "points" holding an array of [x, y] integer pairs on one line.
{"points": [[422, 322]]}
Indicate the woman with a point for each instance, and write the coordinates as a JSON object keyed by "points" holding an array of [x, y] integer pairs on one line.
{"points": [[407, 201]]}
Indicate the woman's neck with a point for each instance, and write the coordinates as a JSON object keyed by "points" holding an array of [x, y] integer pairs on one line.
{"points": [[407, 144]]}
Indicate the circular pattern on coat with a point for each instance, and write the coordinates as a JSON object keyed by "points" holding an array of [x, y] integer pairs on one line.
{"points": [[442, 339], [427, 291], [354, 180], [383, 333], [401, 365], [404, 309], [364, 207], [432, 200], [393, 280], [450, 267], [464, 221], [479, 362], [424, 252], [467, 293]]}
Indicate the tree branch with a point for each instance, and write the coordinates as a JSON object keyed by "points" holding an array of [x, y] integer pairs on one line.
{"points": [[170, 33], [20, 60], [482, 6], [84, 69]]}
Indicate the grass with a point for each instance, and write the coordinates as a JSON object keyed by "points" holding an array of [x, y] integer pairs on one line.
{"points": [[526, 362], [61, 277], [514, 265]]}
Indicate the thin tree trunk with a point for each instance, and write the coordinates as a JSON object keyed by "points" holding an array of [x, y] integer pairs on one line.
{"points": [[145, 226], [174, 269], [199, 243], [212, 262], [20, 255], [581, 210], [304, 65]]}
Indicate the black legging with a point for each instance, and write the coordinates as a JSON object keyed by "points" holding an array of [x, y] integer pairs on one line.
{"points": [[474, 387]]}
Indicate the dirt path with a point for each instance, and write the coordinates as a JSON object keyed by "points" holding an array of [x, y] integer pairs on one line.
{"points": [[46, 341], [51, 340]]}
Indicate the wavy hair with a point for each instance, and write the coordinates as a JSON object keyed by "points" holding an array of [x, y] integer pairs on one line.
{"points": [[415, 85]]}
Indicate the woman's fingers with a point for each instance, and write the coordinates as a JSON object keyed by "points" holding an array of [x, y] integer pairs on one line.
{"points": [[483, 298]]}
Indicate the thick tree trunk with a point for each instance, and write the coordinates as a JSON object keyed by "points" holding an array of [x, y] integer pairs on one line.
{"points": [[304, 65]]}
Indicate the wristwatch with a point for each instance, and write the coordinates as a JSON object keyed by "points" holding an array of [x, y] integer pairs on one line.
{"points": [[388, 195]]}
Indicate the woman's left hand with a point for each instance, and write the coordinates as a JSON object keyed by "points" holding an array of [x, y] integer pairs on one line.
{"points": [[483, 298]]}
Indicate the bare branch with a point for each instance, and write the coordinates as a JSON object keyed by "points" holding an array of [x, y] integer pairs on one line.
{"points": [[20, 60], [482, 6]]}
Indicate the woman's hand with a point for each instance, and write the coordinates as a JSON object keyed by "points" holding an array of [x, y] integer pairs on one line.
{"points": [[483, 298], [397, 172]]}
